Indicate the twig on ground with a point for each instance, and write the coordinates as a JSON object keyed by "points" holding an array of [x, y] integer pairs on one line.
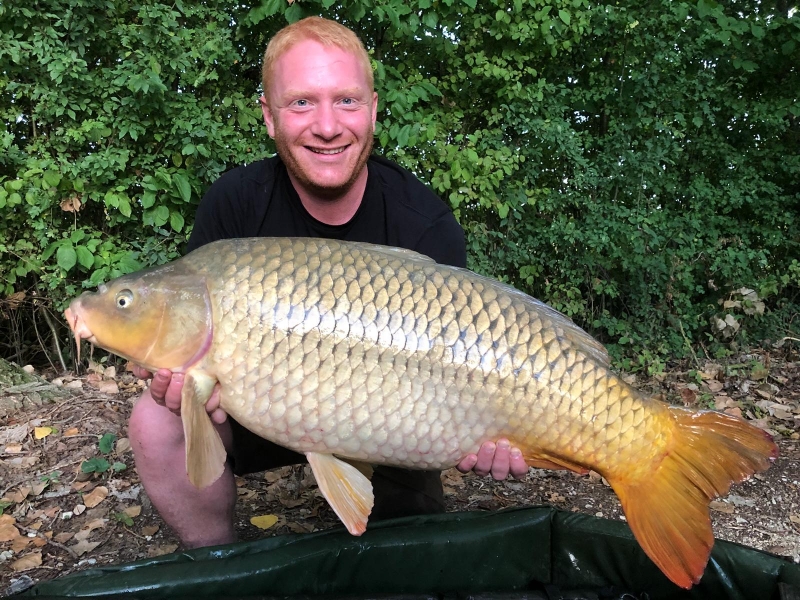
{"points": [[55, 337], [49, 541], [689, 345]]}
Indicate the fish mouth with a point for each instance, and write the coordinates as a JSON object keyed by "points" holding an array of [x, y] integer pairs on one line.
{"points": [[78, 326]]}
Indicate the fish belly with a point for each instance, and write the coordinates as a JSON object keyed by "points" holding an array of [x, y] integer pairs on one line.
{"points": [[384, 356]]}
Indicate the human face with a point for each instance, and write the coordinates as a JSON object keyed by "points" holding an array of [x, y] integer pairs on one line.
{"points": [[321, 113]]}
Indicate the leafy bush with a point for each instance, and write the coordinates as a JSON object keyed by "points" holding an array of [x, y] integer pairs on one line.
{"points": [[633, 164]]}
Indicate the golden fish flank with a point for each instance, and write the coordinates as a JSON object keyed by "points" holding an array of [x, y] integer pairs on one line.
{"points": [[379, 355]]}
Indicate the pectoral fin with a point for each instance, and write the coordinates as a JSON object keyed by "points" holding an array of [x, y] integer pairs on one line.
{"points": [[205, 453], [346, 489]]}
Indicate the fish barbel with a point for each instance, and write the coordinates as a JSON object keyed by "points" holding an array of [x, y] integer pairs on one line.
{"points": [[351, 352]]}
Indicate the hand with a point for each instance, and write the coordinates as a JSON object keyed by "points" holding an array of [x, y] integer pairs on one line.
{"points": [[166, 390], [501, 460]]}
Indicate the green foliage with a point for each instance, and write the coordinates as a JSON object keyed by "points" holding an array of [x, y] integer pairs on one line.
{"points": [[106, 443], [121, 517], [633, 164], [98, 464]]}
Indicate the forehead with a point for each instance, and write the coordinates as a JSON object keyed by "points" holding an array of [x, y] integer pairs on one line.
{"points": [[311, 66]]}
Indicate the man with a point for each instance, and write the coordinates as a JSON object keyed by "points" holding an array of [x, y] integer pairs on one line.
{"points": [[320, 106]]}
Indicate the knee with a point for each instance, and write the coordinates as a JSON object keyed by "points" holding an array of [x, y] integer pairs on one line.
{"points": [[153, 429]]}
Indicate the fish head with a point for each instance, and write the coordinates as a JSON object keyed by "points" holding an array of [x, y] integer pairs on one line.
{"points": [[159, 318]]}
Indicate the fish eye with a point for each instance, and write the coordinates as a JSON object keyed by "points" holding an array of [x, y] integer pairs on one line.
{"points": [[124, 299]]}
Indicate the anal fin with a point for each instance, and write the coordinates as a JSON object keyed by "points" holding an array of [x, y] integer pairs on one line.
{"points": [[345, 487], [205, 452]]}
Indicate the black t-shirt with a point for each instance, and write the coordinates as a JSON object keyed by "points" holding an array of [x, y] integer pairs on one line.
{"points": [[258, 200]]}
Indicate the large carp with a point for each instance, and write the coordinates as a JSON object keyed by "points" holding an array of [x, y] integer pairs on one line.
{"points": [[364, 353]]}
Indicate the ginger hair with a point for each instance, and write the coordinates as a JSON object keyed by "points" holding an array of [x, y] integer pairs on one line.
{"points": [[324, 31]]}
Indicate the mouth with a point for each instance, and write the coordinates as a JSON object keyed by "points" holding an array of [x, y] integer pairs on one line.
{"points": [[327, 151], [78, 327]]}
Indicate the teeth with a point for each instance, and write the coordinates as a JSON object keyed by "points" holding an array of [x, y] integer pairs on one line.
{"points": [[334, 151]]}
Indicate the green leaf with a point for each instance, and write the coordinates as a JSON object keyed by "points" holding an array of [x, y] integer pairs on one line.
{"points": [[183, 187], [148, 199], [95, 465], [52, 178], [176, 221], [4, 504], [106, 443], [119, 466], [161, 215], [471, 3], [124, 206], [123, 518], [294, 13], [177, 159], [66, 257], [565, 16], [402, 136], [85, 257]]}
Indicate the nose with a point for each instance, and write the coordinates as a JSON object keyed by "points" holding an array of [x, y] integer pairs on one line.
{"points": [[326, 122]]}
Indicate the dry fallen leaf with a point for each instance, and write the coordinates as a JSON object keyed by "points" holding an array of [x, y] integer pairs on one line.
{"points": [[13, 434], [14, 300], [300, 527], [19, 494], [38, 487], [715, 386], [71, 204], [107, 387], [42, 432], [71, 431], [150, 530], [19, 544], [79, 509], [123, 445], [84, 546], [8, 532], [13, 448], [264, 521], [722, 507], [689, 396], [29, 561], [96, 496], [64, 537], [794, 519], [246, 493], [161, 550], [133, 511]]}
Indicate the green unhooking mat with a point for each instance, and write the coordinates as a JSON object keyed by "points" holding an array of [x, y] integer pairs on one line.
{"points": [[529, 553]]}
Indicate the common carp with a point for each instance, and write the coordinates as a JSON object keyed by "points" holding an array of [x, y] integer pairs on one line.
{"points": [[355, 353]]}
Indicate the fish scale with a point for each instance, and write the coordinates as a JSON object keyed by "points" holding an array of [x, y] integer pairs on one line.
{"points": [[379, 355], [322, 316]]}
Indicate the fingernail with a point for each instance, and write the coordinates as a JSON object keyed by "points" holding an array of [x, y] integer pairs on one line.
{"points": [[515, 453], [503, 444]]}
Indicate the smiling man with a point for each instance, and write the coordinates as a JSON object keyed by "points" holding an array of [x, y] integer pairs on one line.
{"points": [[320, 106]]}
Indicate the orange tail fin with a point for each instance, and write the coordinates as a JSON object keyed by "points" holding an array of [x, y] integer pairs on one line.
{"points": [[668, 512]]}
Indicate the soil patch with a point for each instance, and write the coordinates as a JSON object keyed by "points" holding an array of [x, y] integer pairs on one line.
{"points": [[71, 498]]}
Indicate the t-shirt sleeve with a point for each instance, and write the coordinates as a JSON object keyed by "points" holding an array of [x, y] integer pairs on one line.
{"points": [[444, 242]]}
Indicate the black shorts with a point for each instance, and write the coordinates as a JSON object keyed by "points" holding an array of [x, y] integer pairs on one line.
{"points": [[398, 492]]}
